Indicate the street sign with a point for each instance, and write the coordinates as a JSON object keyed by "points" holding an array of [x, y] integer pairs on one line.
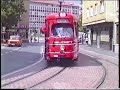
{"points": [[3, 29]]}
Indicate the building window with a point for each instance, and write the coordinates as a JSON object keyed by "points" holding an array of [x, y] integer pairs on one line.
{"points": [[117, 5], [91, 11], [87, 12], [95, 9], [101, 6]]}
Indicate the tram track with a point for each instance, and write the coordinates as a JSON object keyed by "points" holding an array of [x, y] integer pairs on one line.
{"points": [[102, 60], [52, 75], [5, 85], [96, 86], [103, 79], [44, 80], [22, 78], [48, 78], [35, 75]]}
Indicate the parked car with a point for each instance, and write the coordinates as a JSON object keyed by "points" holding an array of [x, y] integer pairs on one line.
{"points": [[15, 40]]}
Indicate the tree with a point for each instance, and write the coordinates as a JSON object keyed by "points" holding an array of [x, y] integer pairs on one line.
{"points": [[81, 28], [11, 11]]}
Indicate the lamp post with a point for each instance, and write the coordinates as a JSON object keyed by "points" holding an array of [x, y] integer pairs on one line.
{"points": [[34, 31], [3, 29], [19, 16], [60, 1], [71, 7]]}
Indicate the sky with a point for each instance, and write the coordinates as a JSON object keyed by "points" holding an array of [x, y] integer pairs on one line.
{"points": [[75, 2]]}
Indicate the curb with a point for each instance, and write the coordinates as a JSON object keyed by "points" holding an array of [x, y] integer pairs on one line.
{"points": [[99, 56], [3, 44], [102, 78]]}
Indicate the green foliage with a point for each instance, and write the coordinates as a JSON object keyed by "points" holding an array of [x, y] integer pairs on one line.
{"points": [[11, 11], [80, 28]]}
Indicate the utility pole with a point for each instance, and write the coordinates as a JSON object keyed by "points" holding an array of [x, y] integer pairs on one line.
{"points": [[71, 7], [60, 1], [19, 16]]}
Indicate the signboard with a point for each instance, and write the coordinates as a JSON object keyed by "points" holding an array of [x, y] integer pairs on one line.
{"points": [[3, 29], [62, 21], [22, 26]]}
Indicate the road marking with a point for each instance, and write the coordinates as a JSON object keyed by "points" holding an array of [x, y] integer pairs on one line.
{"points": [[42, 49], [25, 67], [12, 50], [2, 47]]}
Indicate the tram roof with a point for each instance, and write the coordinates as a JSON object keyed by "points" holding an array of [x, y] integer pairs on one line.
{"points": [[56, 16]]}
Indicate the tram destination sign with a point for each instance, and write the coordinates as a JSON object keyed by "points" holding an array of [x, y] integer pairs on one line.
{"points": [[62, 21]]}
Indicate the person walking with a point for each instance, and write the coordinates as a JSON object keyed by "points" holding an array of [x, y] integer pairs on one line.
{"points": [[30, 38], [82, 39], [86, 40]]}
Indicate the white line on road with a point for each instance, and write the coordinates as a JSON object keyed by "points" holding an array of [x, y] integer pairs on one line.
{"points": [[25, 67], [12, 50], [42, 49]]}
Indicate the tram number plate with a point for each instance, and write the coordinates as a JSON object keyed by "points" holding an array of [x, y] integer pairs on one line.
{"points": [[12, 44], [55, 55]]}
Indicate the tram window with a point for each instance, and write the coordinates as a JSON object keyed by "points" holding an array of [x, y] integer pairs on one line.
{"points": [[62, 30]]}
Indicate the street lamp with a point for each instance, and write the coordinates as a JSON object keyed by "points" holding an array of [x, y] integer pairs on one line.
{"points": [[19, 16], [71, 7], [3, 30], [60, 1]]}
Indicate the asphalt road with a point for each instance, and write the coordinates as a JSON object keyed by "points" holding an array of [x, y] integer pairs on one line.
{"points": [[15, 58], [87, 70]]}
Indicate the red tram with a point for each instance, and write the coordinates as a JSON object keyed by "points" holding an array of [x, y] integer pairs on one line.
{"points": [[61, 37]]}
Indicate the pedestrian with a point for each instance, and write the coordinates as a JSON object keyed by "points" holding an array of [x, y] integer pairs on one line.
{"points": [[80, 40], [35, 39], [86, 40], [31, 39], [83, 39]]}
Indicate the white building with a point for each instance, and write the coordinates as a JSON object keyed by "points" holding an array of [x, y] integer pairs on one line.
{"points": [[38, 10]]}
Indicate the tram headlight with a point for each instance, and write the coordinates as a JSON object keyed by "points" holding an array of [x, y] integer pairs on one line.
{"points": [[62, 14], [62, 48]]}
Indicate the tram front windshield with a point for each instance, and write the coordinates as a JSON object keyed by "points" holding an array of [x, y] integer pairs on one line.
{"points": [[62, 31]]}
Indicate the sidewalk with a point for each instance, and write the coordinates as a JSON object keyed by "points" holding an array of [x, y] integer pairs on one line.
{"points": [[99, 50], [99, 53], [3, 44]]}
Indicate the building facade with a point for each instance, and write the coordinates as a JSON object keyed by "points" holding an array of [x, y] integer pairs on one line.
{"points": [[100, 18], [38, 10]]}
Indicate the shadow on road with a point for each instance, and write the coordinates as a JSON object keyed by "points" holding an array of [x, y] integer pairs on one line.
{"points": [[83, 61]]}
